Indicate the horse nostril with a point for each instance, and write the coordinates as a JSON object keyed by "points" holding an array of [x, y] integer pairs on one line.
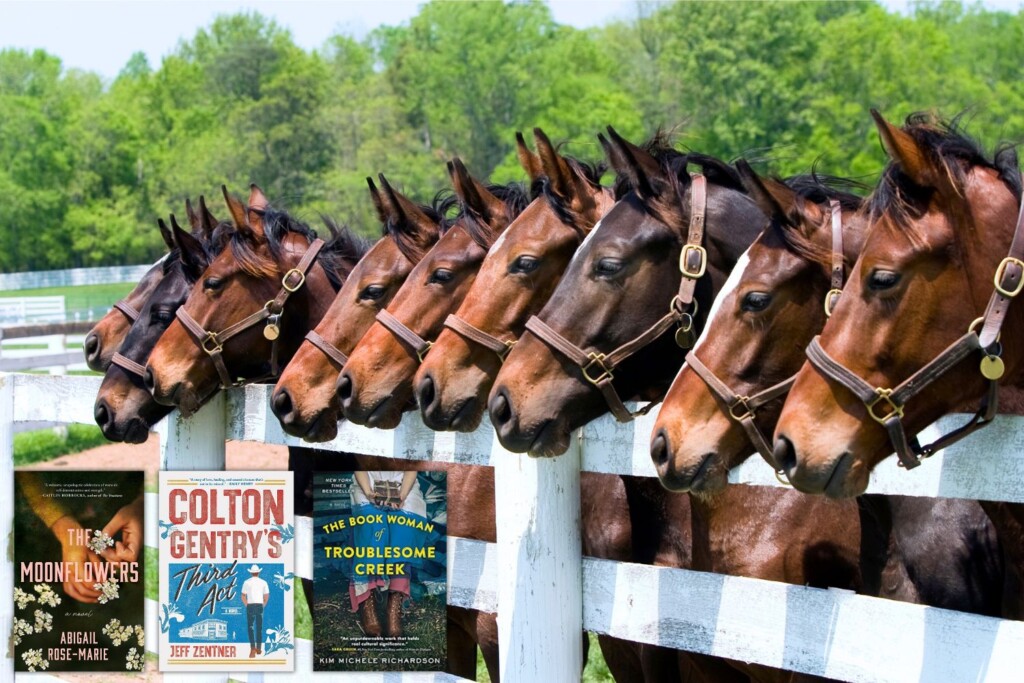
{"points": [[425, 392], [659, 448], [282, 403], [344, 388], [92, 345], [500, 409], [102, 414], [784, 454], [149, 380]]}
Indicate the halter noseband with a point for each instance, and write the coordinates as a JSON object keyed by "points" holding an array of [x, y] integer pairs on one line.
{"points": [[1008, 281], [597, 368], [327, 348], [401, 331], [213, 342], [742, 409], [484, 339]]}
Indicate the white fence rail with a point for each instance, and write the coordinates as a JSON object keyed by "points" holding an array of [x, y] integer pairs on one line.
{"points": [[55, 353], [22, 310], [545, 593], [72, 276]]}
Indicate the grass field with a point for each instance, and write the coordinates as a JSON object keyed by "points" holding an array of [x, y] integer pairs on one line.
{"points": [[45, 444]]}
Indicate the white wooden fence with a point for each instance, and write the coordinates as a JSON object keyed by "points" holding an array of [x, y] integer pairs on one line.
{"points": [[22, 310], [548, 593], [71, 277]]}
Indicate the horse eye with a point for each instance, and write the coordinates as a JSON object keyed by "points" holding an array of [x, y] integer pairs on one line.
{"points": [[525, 264], [881, 280], [608, 266], [756, 302], [213, 283], [373, 292], [162, 316], [442, 275]]}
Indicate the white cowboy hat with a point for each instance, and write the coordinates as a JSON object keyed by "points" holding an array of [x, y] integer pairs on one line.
{"points": [[255, 569]]}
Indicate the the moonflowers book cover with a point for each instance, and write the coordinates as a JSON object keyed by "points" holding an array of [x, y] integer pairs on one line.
{"points": [[226, 571], [379, 569], [78, 571]]}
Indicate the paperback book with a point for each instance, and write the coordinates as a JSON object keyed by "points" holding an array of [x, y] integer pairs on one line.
{"points": [[78, 571], [226, 571], [379, 571]]}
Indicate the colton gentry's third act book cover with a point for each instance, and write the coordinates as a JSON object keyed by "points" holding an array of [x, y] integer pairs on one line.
{"points": [[226, 571], [379, 568], [78, 571]]}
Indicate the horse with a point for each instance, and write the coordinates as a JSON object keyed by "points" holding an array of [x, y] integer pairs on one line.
{"points": [[727, 397], [905, 345], [375, 386], [125, 410], [517, 276], [252, 306]]}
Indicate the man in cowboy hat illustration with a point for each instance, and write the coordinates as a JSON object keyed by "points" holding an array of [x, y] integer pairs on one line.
{"points": [[255, 593]]}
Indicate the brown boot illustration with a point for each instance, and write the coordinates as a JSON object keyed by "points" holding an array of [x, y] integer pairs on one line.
{"points": [[395, 613], [368, 615], [252, 652]]}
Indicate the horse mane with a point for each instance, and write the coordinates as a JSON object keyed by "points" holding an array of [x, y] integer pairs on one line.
{"points": [[336, 257], [819, 189], [515, 198], [950, 149], [589, 172], [658, 146]]}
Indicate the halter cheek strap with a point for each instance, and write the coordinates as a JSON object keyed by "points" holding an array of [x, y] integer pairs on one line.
{"points": [[597, 368], [328, 349], [129, 311], [886, 405], [412, 341], [213, 342], [475, 334]]}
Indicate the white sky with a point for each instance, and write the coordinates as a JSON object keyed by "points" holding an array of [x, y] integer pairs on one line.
{"points": [[101, 35]]}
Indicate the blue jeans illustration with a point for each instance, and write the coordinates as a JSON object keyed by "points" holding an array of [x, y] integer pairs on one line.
{"points": [[254, 616]]}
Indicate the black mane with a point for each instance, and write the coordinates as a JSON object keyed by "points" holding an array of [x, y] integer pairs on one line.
{"points": [[513, 195]]}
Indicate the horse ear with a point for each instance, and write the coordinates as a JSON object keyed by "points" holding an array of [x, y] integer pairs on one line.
{"points": [[773, 198], [475, 197], [554, 165], [237, 210], [638, 165], [193, 256], [612, 152], [527, 159], [258, 203], [208, 222], [906, 153], [193, 217], [165, 233], [415, 226], [378, 201]]}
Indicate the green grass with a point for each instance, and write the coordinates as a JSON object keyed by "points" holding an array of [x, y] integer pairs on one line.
{"points": [[303, 619], [45, 444], [81, 296]]}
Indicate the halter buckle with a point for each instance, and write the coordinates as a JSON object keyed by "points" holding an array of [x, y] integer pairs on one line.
{"points": [[215, 347], [684, 268], [598, 359], [884, 395], [740, 402], [296, 286], [422, 352], [1001, 271], [830, 300]]}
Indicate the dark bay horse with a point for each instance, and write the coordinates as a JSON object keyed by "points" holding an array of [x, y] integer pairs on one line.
{"points": [[125, 410], [252, 307], [375, 386], [942, 221], [305, 400], [776, 298], [517, 276]]}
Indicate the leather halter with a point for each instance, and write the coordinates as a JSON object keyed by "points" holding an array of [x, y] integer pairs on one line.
{"points": [[742, 409], [597, 367], [473, 333], [213, 342], [129, 365], [328, 349], [129, 311], [1008, 281], [409, 339]]}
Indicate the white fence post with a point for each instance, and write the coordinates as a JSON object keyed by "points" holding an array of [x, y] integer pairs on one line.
{"points": [[7, 517], [197, 442], [540, 585]]}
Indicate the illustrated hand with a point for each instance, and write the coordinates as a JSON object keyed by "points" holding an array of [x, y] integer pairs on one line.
{"points": [[129, 521], [77, 586]]}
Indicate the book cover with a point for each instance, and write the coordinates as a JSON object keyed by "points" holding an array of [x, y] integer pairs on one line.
{"points": [[379, 569], [78, 571], [226, 571]]}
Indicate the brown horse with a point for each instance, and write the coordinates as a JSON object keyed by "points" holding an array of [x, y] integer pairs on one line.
{"points": [[304, 400], [942, 219], [516, 278], [774, 301], [618, 293], [252, 307], [375, 386]]}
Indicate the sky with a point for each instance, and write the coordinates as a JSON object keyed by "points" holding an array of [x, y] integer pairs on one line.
{"points": [[100, 36]]}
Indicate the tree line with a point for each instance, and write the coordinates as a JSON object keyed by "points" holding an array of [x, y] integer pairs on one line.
{"points": [[86, 166]]}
